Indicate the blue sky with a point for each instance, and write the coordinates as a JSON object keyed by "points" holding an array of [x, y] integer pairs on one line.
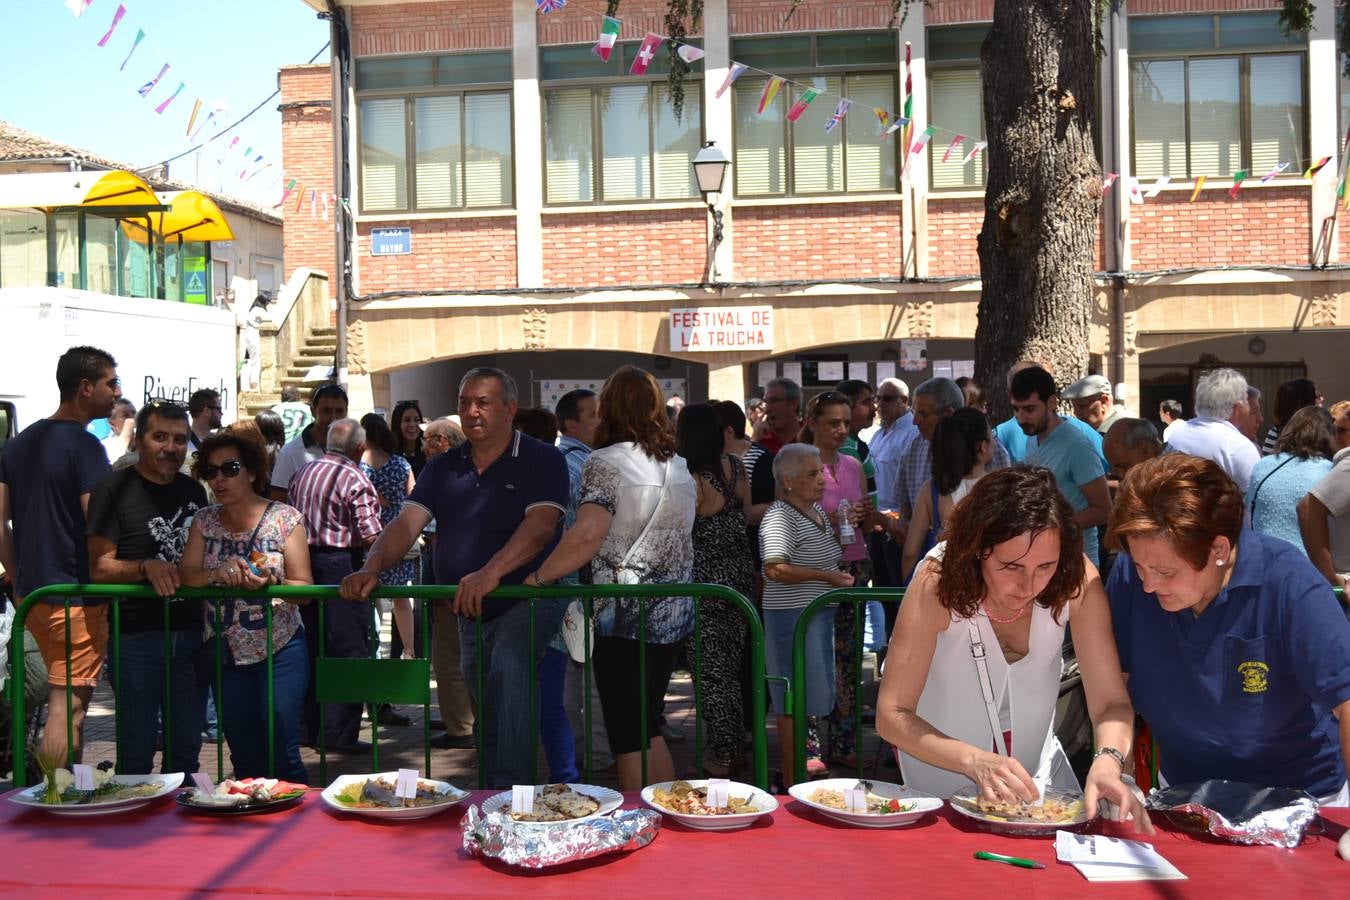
{"points": [[60, 85]]}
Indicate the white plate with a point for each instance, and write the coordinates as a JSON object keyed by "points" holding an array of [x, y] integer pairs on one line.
{"points": [[453, 796], [963, 802], [763, 804], [924, 803], [608, 799], [29, 797]]}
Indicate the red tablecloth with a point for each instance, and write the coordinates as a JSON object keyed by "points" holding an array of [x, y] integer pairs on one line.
{"points": [[164, 850]]}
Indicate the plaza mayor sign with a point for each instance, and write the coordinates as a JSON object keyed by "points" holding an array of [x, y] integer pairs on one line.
{"points": [[711, 329]]}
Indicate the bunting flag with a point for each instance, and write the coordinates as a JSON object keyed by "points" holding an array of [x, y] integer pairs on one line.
{"points": [[300, 198], [736, 71], [970, 154], [259, 171], [1238, 178], [689, 53], [205, 122], [313, 202], [894, 127], [77, 7], [140, 36], [1108, 180], [548, 6], [770, 91], [1277, 170], [1199, 185], [145, 89], [257, 159], [248, 151], [1316, 167], [908, 109], [192, 119], [956, 142], [117, 17], [1158, 185], [165, 105], [325, 207], [922, 140], [798, 108], [883, 116], [840, 110], [1136, 194], [287, 192], [646, 53], [609, 33]]}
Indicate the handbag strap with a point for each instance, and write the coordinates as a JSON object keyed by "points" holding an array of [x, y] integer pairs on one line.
{"points": [[1257, 492], [261, 519], [665, 476], [986, 685]]}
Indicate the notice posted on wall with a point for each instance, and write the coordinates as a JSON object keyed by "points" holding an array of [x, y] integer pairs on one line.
{"points": [[913, 355], [942, 368], [963, 368]]}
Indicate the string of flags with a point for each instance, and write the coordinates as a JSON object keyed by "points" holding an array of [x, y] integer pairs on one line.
{"points": [[216, 112], [891, 124]]}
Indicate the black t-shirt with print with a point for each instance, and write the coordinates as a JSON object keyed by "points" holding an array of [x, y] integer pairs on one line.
{"points": [[148, 521]]}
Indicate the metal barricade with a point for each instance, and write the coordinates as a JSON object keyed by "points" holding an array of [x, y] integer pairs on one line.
{"points": [[429, 593]]}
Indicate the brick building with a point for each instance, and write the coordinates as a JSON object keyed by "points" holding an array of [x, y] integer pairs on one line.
{"points": [[551, 220]]}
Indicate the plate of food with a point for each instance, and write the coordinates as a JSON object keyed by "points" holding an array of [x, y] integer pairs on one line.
{"points": [[687, 803], [559, 804], [243, 797], [111, 794], [373, 796], [1057, 810], [888, 805]]}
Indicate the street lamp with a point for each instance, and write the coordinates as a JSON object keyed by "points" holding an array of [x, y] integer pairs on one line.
{"points": [[710, 171]]}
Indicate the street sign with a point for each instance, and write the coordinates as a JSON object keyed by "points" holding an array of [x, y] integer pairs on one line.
{"points": [[194, 279], [390, 241]]}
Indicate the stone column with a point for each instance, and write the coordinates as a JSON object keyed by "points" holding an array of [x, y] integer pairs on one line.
{"points": [[528, 117]]}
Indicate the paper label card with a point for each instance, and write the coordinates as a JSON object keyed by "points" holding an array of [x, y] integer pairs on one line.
{"points": [[522, 799], [719, 792], [857, 371], [768, 371], [830, 371], [885, 369], [855, 800], [406, 787], [203, 783], [84, 777]]}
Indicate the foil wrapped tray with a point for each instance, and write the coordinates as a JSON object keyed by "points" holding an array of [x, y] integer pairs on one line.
{"points": [[540, 846], [1237, 812]]}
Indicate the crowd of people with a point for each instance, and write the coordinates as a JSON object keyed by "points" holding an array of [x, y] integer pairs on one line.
{"points": [[1196, 573]]}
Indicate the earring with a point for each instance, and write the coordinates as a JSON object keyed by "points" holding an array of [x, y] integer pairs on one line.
{"points": [[1219, 563]]}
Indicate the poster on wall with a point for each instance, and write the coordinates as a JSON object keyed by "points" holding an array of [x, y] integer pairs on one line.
{"points": [[885, 369], [963, 368], [913, 355]]}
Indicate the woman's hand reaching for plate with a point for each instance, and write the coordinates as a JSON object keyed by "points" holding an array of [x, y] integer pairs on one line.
{"points": [[1001, 779], [1107, 794]]}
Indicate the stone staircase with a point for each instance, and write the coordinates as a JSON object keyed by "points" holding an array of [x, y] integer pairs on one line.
{"points": [[319, 349]]}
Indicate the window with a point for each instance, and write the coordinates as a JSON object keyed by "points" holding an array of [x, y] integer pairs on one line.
{"points": [[616, 140], [955, 90], [435, 132], [1216, 94], [775, 157]]}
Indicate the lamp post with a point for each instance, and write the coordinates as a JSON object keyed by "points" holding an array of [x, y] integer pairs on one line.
{"points": [[710, 171]]}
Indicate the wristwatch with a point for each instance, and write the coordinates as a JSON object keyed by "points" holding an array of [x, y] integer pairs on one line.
{"points": [[538, 582], [1111, 752], [140, 570]]}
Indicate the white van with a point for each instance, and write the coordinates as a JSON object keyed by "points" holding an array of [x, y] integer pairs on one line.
{"points": [[163, 350]]}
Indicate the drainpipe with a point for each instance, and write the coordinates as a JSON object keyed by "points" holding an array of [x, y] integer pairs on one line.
{"points": [[341, 65]]}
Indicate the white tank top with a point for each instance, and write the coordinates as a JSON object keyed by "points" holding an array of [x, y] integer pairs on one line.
{"points": [[953, 702]]}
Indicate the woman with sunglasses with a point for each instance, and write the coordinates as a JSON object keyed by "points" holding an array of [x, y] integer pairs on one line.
{"points": [[406, 424], [249, 542]]}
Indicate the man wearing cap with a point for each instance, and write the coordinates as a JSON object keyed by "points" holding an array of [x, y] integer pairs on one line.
{"points": [[1092, 402]]}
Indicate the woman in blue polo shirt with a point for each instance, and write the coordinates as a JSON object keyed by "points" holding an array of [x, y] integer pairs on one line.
{"points": [[1236, 650]]}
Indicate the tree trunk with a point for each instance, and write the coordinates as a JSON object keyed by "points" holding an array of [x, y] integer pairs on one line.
{"points": [[1044, 188]]}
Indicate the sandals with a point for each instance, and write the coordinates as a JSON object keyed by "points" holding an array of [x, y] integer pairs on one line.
{"points": [[816, 768]]}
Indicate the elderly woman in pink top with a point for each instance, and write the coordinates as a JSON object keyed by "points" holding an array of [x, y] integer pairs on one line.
{"points": [[851, 514]]}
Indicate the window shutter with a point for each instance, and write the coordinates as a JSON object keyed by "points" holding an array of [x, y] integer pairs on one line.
{"points": [[871, 163], [1277, 112], [625, 135], [1216, 117], [760, 162], [955, 96], [568, 147], [487, 149], [677, 143], [817, 157], [384, 155], [439, 158], [1158, 112]]}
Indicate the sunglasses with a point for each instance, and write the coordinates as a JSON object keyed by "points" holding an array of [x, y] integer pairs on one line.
{"points": [[230, 469], [888, 398]]}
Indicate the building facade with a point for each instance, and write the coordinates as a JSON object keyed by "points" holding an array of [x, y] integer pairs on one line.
{"points": [[515, 200]]}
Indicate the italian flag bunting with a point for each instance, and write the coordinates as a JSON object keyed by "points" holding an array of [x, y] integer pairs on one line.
{"points": [[609, 33]]}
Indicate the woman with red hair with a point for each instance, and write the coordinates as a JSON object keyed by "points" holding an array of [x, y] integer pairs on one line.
{"points": [[1236, 650]]}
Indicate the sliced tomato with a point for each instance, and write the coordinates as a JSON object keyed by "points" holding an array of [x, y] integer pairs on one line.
{"points": [[894, 805]]}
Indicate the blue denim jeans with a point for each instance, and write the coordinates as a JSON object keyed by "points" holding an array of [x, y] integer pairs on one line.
{"points": [[507, 650], [137, 672], [243, 712], [555, 730]]}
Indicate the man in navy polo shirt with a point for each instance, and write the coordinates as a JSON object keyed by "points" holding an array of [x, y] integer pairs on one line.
{"points": [[497, 500]]}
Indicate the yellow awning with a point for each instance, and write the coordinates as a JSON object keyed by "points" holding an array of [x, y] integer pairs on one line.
{"points": [[191, 215], [50, 190]]}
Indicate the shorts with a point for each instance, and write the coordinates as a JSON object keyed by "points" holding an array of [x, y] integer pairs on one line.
{"points": [[46, 622], [615, 660], [779, 625]]}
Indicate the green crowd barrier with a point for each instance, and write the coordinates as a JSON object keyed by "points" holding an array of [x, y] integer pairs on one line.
{"points": [[373, 681]]}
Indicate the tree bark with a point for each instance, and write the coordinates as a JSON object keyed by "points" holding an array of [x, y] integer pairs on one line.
{"points": [[1043, 192]]}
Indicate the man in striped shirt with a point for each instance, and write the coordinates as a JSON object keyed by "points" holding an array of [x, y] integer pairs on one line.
{"points": [[342, 519]]}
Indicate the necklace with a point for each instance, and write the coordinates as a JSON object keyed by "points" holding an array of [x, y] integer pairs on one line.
{"points": [[993, 618]]}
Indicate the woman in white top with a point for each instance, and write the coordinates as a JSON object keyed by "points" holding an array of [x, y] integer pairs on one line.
{"points": [[635, 523], [962, 449], [1009, 577]]}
